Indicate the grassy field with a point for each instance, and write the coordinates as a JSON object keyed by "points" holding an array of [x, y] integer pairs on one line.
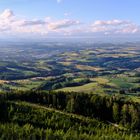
{"points": [[91, 87]]}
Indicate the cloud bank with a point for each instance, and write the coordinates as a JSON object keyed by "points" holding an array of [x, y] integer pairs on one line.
{"points": [[11, 24]]}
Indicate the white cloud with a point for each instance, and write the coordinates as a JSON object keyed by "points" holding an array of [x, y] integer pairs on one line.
{"points": [[7, 13], [11, 24], [29, 22], [115, 27], [110, 22], [129, 29], [63, 24]]}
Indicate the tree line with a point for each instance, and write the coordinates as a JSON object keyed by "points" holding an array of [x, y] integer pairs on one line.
{"points": [[116, 109]]}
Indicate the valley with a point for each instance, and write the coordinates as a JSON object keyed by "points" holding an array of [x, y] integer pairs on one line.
{"points": [[93, 68]]}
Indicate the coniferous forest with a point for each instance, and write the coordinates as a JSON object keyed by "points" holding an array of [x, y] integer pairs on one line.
{"points": [[68, 116]]}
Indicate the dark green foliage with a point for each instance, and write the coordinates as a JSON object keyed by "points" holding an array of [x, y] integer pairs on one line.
{"points": [[61, 82], [107, 108], [27, 115], [31, 121]]}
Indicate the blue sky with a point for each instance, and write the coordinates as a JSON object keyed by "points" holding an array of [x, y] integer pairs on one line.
{"points": [[69, 17]]}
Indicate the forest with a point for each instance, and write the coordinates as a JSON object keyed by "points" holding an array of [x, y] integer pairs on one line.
{"points": [[68, 116]]}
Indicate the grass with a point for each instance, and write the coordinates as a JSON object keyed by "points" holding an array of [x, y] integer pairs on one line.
{"points": [[78, 79], [99, 85], [122, 82], [3, 81], [91, 87], [66, 63], [90, 68], [100, 80], [21, 85]]}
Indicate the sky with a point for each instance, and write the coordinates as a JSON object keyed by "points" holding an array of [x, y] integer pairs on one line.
{"points": [[69, 18]]}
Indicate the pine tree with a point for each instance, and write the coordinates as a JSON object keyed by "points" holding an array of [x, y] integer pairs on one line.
{"points": [[115, 109]]}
